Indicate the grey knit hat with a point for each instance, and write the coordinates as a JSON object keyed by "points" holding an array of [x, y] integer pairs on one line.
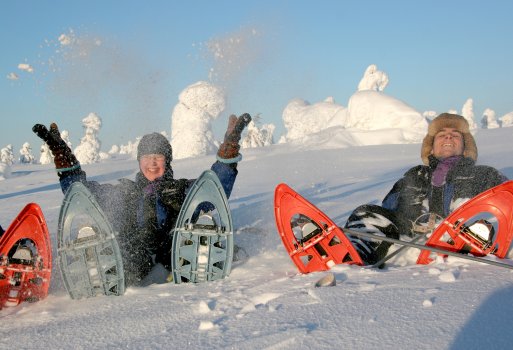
{"points": [[155, 143]]}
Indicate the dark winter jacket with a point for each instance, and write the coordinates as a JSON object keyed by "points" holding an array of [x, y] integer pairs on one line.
{"points": [[414, 194], [143, 213]]}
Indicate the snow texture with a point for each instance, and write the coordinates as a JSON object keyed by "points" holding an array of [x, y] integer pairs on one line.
{"points": [[26, 156], [258, 137], [489, 120], [265, 303], [468, 112], [373, 79], [191, 123], [46, 156], [7, 155], [88, 151], [507, 120], [301, 118]]}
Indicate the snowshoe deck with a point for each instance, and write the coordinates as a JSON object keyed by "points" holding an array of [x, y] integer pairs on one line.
{"points": [[89, 256], [312, 240], [25, 258], [481, 226], [203, 234]]}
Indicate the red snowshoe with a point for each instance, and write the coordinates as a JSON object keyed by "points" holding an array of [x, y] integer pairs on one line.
{"points": [[312, 240], [481, 226], [25, 258]]}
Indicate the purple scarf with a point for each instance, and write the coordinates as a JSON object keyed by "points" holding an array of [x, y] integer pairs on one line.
{"points": [[443, 167], [151, 188]]}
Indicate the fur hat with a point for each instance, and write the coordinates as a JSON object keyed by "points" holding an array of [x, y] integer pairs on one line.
{"points": [[447, 120], [155, 143]]}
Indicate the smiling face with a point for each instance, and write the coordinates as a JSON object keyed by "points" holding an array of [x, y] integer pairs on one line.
{"points": [[152, 166], [448, 142]]}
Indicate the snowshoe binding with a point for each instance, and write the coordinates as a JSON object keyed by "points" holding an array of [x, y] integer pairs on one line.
{"points": [[89, 256], [203, 234], [25, 258], [312, 240], [481, 226]]}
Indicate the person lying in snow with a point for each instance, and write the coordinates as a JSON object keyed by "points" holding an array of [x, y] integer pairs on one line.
{"points": [[448, 178], [144, 211]]}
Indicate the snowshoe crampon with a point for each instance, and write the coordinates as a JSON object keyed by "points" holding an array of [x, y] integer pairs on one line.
{"points": [[312, 240], [89, 257], [481, 226], [203, 234], [25, 258]]}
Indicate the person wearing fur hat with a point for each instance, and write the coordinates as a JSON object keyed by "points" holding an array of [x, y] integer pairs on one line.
{"points": [[448, 178], [144, 211]]}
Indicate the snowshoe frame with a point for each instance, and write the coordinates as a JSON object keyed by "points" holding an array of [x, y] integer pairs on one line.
{"points": [[203, 252], [90, 265]]}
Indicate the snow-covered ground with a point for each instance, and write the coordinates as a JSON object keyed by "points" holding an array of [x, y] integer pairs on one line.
{"points": [[265, 303]]}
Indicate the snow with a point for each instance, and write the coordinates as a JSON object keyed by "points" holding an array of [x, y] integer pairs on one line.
{"points": [[258, 137], [301, 118], [199, 104], [88, 151], [265, 303], [507, 120], [46, 156], [368, 109], [489, 121], [374, 110], [468, 112], [26, 154], [373, 79], [26, 67]]}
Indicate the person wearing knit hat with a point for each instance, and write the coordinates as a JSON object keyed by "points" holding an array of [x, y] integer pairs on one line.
{"points": [[144, 211], [447, 178]]}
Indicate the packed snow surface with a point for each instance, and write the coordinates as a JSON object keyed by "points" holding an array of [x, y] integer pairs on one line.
{"points": [[265, 303]]}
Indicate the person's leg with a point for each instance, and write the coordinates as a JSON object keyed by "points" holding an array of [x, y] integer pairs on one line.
{"points": [[372, 219], [137, 259]]}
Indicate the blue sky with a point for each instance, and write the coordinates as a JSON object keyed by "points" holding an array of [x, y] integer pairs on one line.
{"points": [[437, 54]]}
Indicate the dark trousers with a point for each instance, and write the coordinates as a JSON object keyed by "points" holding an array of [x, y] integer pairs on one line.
{"points": [[374, 219]]}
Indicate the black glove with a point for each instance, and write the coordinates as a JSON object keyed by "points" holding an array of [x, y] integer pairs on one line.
{"points": [[229, 150], [173, 193], [63, 158]]}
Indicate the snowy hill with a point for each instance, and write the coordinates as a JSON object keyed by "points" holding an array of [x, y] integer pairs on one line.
{"points": [[265, 303]]}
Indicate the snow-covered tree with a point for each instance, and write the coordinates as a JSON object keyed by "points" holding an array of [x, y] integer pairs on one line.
{"points": [[489, 121], [104, 155], [191, 122], [507, 120], [5, 170], [7, 155], [429, 115], [373, 79], [467, 111], [65, 138], [46, 156], [130, 148], [258, 137], [114, 150], [373, 110], [6, 160], [88, 151], [302, 118], [26, 156]]}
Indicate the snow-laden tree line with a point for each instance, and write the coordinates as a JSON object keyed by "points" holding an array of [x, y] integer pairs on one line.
{"points": [[202, 103]]}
